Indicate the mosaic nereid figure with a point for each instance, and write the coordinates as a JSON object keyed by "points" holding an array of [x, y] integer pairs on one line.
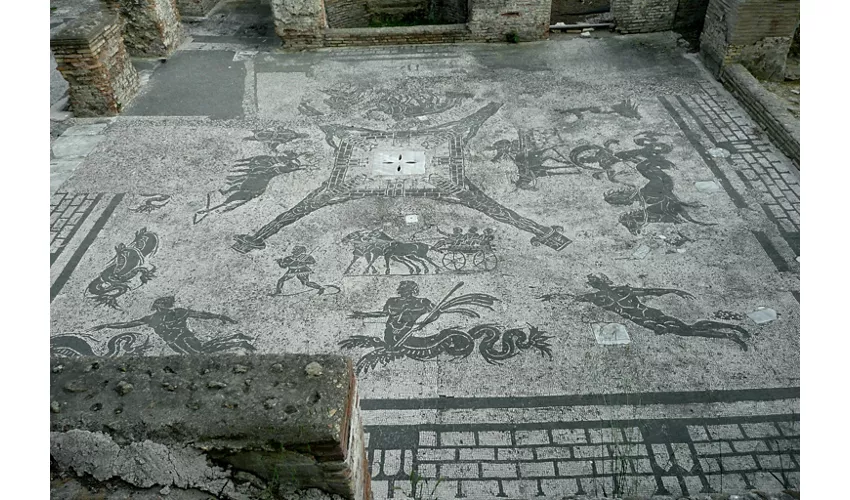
{"points": [[624, 300], [170, 323]]}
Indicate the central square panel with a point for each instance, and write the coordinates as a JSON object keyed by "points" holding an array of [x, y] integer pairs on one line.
{"points": [[394, 163]]}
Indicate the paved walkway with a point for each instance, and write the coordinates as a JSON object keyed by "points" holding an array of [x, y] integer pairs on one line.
{"points": [[561, 267]]}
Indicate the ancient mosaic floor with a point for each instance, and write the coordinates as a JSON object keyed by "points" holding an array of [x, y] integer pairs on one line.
{"points": [[560, 267]]}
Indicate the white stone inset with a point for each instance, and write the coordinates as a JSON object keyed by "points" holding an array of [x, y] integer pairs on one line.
{"points": [[641, 252], [610, 334], [707, 186], [719, 153], [762, 315], [411, 219], [396, 163]]}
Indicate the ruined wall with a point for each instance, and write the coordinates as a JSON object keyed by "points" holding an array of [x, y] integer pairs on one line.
{"points": [[492, 20], [644, 16], [195, 8], [755, 33], [450, 11], [151, 27], [359, 13], [301, 24], [690, 16], [346, 13]]}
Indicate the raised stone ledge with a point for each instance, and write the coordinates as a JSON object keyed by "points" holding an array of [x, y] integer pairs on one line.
{"points": [[85, 29], [435, 29], [765, 108], [291, 421]]}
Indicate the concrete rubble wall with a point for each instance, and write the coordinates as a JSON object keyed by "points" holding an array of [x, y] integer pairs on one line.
{"points": [[195, 8], [765, 108], [232, 426], [92, 58], [299, 22], [755, 33], [151, 27]]}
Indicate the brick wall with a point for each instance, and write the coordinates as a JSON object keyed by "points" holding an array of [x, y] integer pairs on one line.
{"points": [[755, 33], [644, 16], [765, 108], [346, 13], [492, 20]]}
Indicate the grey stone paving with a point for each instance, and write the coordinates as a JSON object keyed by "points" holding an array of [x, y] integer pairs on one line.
{"points": [[593, 289]]}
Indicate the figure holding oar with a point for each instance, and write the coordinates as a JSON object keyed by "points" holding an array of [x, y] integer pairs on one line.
{"points": [[408, 314]]}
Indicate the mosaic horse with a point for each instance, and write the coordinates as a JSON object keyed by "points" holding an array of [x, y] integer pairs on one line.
{"points": [[370, 245], [129, 262], [249, 179]]}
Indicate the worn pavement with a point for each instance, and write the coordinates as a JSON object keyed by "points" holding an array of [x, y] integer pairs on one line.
{"points": [[566, 267]]}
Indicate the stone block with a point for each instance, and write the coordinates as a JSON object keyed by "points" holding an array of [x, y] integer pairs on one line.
{"points": [[197, 422]]}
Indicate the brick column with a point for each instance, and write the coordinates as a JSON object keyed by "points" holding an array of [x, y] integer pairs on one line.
{"points": [[755, 33], [91, 56], [644, 16], [300, 23], [493, 20], [151, 27]]}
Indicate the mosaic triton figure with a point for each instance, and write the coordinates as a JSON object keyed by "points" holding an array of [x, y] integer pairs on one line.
{"points": [[347, 181], [624, 300], [407, 314], [170, 323], [297, 266]]}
